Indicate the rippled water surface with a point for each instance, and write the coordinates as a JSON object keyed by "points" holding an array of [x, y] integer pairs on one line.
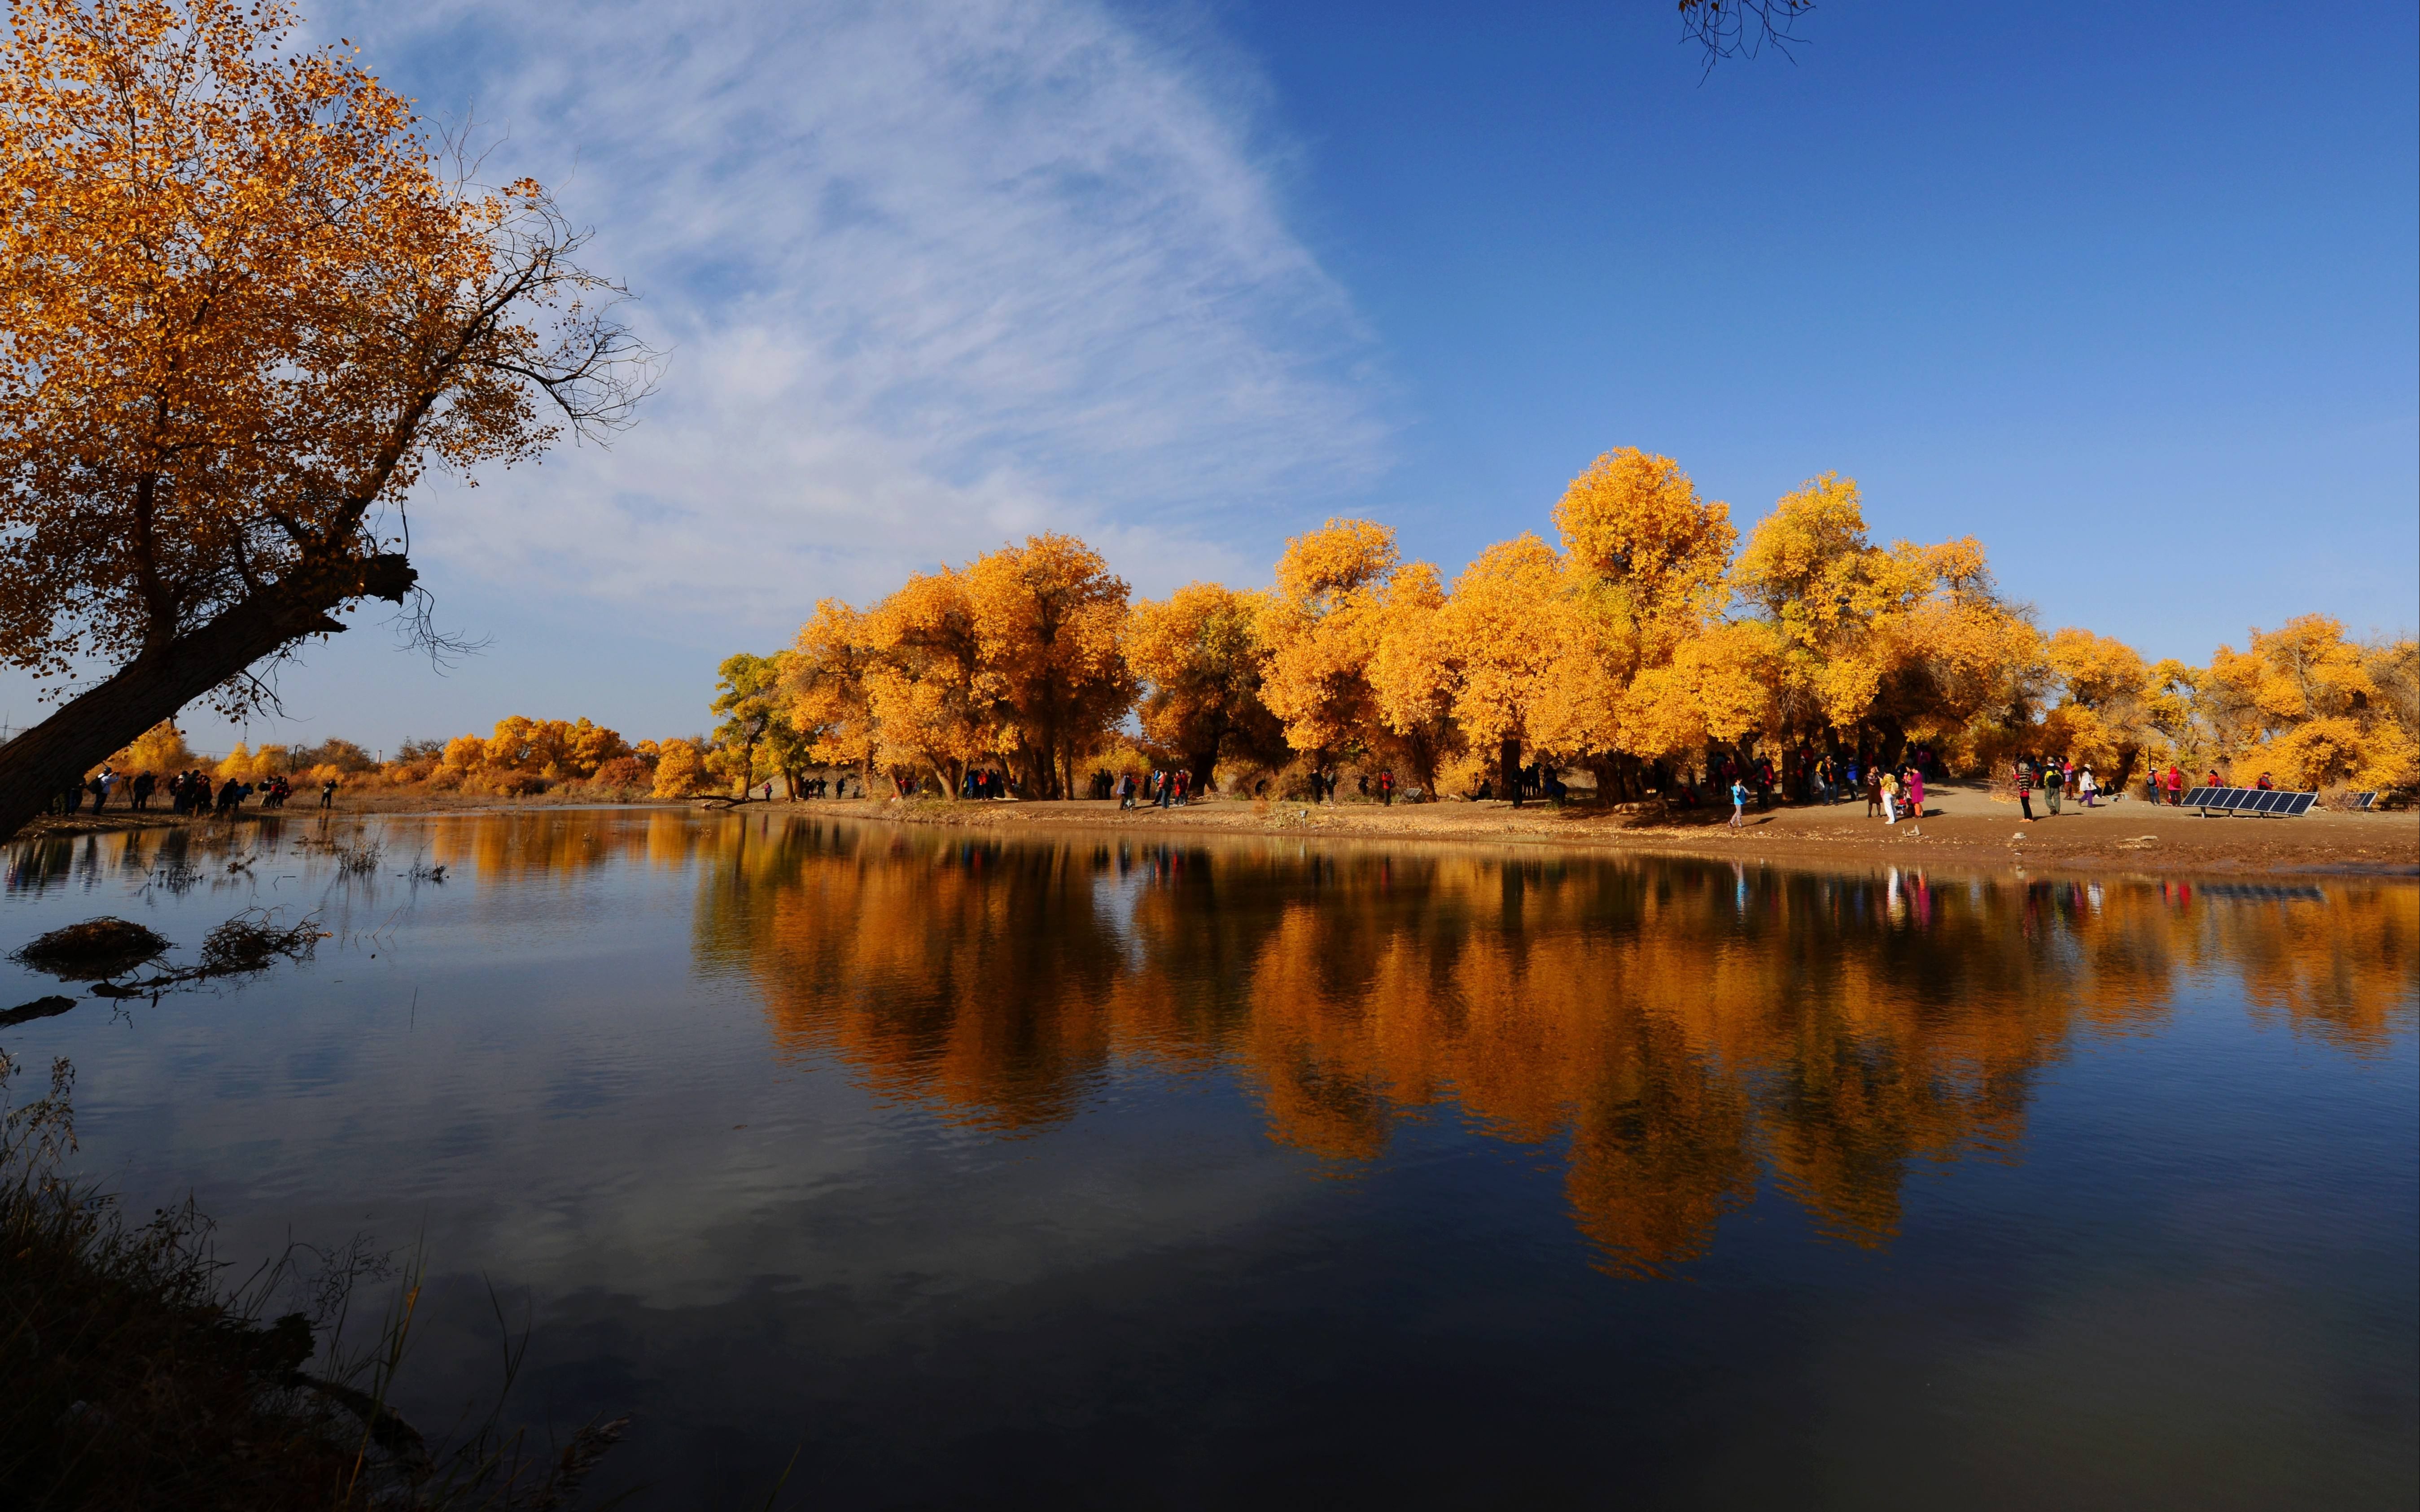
{"points": [[1103, 1174]]}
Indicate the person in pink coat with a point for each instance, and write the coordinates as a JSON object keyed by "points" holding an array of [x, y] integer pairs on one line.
{"points": [[1915, 791]]}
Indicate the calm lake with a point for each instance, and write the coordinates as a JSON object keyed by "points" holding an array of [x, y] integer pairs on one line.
{"points": [[1100, 1173]]}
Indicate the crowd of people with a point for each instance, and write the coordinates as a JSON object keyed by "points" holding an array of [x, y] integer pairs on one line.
{"points": [[189, 793], [2169, 786], [1159, 787]]}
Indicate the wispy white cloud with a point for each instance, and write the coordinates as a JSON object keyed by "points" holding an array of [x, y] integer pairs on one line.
{"points": [[930, 275]]}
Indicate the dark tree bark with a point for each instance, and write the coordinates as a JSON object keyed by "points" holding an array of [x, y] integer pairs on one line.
{"points": [[38, 765], [1507, 769]]}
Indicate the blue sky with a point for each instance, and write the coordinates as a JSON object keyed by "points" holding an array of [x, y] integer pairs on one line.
{"points": [[2133, 296]]}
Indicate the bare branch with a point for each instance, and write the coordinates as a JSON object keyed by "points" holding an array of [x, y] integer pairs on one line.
{"points": [[415, 629], [1742, 28]]}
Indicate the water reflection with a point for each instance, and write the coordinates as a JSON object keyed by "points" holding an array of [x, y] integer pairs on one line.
{"points": [[1674, 1030]]}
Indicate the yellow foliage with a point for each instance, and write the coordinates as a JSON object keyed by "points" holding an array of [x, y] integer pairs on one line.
{"points": [[1049, 618], [1633, 522], [241, 308], [825, 681], [1321, 629], [1612, 652], [2312, 709], [244, 764], [934, 704], [1201, 664], [681, 771], [1504, 630], [161, 751], [1412, 677]]}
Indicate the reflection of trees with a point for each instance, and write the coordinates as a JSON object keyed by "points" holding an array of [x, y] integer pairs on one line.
{"points": [[558, 844], [1676, 1027]]}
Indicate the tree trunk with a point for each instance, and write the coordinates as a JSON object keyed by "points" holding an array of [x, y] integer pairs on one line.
{"points": [[1201, 764], [38, 765], [1508, 767]]}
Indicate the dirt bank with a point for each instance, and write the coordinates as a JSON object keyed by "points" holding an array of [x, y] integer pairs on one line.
{"points": [[1962, 826]]}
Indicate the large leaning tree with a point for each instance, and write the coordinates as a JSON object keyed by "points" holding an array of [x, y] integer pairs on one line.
{"points": [[245, 304]]}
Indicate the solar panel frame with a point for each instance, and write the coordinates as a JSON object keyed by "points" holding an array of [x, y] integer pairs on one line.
{"points": [[2236, 798], [2270, 801], [2302, 805], [2197, 797]]}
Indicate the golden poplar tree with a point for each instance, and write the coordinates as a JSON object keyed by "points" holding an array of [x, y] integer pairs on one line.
{"points": [[1413, 676], [935, 707], [1048, 616], [1199, 667], [1507, 630], [241, 311], [1320, 626], [1903, 643], [1647, 557], [2304, 706], [825, 679]]}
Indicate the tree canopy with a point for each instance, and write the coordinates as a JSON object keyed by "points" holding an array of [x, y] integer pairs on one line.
{"points": [[1647, 645], [244, 306]]}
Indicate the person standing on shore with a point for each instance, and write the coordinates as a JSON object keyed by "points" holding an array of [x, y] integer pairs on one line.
{"points": [[1739, 804], [2086, 788], [2025, 774], [1915, 790], [2051, 787], [1890, 799], [1874, 792]]}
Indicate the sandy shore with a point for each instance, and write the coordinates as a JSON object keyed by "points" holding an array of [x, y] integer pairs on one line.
{"points": [[1962, 825]]}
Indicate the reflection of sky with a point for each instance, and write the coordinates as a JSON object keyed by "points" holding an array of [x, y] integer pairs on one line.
{"points": [[546, 1072]]}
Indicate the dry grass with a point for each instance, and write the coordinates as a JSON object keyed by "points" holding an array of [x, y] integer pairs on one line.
{"points": [[252, 942], [137, 1378]]}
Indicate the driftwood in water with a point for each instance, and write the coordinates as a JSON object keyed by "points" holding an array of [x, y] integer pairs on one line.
{"points": [[245, 944]]}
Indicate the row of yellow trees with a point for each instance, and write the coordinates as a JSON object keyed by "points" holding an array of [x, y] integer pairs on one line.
{"points": [[1645, 641]]}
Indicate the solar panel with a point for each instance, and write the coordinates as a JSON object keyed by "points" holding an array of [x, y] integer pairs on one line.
{"points": [[2359, 802], [2237, 799], [2273, 801], [2253, 800], [2302, 805], [2195, 798]]}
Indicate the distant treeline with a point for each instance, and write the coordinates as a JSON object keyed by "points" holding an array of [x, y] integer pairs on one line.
{"points": [[1645, 645]]}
